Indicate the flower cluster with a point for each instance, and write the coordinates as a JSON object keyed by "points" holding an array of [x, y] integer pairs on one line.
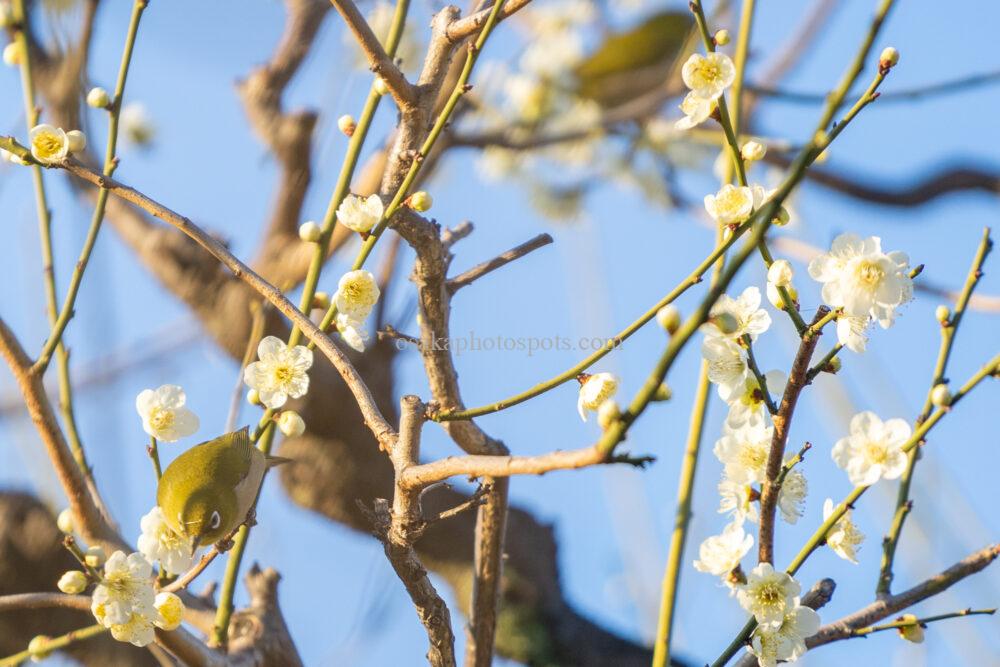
{"points": [[280, 373], [707, 77], [357, 293], [125, 602]]}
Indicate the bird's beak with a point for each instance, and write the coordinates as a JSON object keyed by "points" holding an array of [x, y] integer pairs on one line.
{"points": [[195, 542]]}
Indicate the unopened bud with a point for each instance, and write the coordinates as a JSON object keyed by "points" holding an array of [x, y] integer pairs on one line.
{"points": [[725, 322], [608, 412], [721, 37], [65, 521], [662, 393], [347, 124], [12, 54], [253, 397], [77, 141], [72, 582], [94, 557], [782, 217], [421, 201], [833, 366], [321, 300], [98, 98], [940, 396], [889, 58], [38, 648], [310, 232], [291, 424], [380, 86], [780, 273], [942, 314], [913, 632], [774, 296], [753, 150], [669, 317]]}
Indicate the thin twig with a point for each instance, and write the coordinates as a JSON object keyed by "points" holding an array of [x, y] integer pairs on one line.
{"points": [[504, 258]]}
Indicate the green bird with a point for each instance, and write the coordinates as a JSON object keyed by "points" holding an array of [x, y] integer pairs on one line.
{"points": [[631, 63], [210, 489]]}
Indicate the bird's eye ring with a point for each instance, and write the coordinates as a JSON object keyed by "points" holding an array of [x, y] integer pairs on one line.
{"points": [[215, 520]]}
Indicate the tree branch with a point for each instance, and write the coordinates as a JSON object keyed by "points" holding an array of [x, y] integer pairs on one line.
{"points": [[504, 258]]}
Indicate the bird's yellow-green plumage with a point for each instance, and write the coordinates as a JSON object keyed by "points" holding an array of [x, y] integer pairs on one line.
{"points": [[630, 63], [207, 491]]}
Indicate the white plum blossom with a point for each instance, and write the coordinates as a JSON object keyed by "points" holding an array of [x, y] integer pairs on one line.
{"points": [[746, 402], [72, 582], [48, 144], [743, 452], [159, 542], [852, 332], [125, 589], [280, 373], [137, 630], [786, 641], [731, 205], [136, 125], [751, 319], [780, 273], [873, 450], [360, 214], [708, 76], [844, 537], [357, 293], [778, 301], [170, 610], [858, 277], [914, 632], [727, 363], [163, 413], [352, 331], [768, 594], [594, 390], [736, 500], [721, 554], [696, 111], [792, 496]]}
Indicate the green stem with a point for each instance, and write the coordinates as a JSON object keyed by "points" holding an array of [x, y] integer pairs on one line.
{"points": [[110, 164], [898, 624], [55, 643], [761, 380], [823, 362], [948, 331], [154, 456]]}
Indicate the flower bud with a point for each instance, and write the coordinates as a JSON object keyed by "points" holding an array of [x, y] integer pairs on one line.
{"points": [[913, 632], [721, 37], [347, 124], [380, 86], [38, 648], [12, 54], [782, 217], [77, 141], [774, 296], [171, 610], [98, 98], [833, 366], [942, 314], [753, 150], [940, 396], [72, 582], [669, 317], [94, 557], [310, 232], [725, 322], [889, 58], [608, 413], [291, 424], [65, 521], [321, 300], [662, 393], [421, 201], [780, 273], [253, 397]]}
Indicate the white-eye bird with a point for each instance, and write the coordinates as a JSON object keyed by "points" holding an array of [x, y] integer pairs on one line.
{"points": [[209, 490]]}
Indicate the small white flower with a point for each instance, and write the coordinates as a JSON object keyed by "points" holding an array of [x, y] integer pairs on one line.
{"points": [[743, 452], [731, 205], [48, 144], [159, 542], [721, 554], [852, 332], [360, 214], [727, 363], [792, 496], [171, 611], [136, 124], [913, 632], [282, 372], [357, 292], [669, 318], [696, 111], [858, 277], [844, 537], [352, 331], [780, 273], [751, 319], [746, 402], [72, 582], [709, 75], [608, 413], [753, 150], [873, 450], [736, 500], [768, 594], [125, 589], [137, 630], [291, 424], [163, 413], [594, 390], [786, 642]]}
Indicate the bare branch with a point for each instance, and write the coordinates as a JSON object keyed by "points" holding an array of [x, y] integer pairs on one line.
{"points": [[471, 24], [44, 601], [504, 258]]}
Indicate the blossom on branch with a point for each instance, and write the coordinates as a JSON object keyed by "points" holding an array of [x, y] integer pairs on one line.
{"points": [[786, 641], [768, 594], [281, 372], [873, 450], [844, 537], [721, 554], [594, 390], [163, 413]]}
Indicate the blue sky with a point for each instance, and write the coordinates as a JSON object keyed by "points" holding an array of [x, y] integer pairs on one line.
{"points": [[340, 597]]}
